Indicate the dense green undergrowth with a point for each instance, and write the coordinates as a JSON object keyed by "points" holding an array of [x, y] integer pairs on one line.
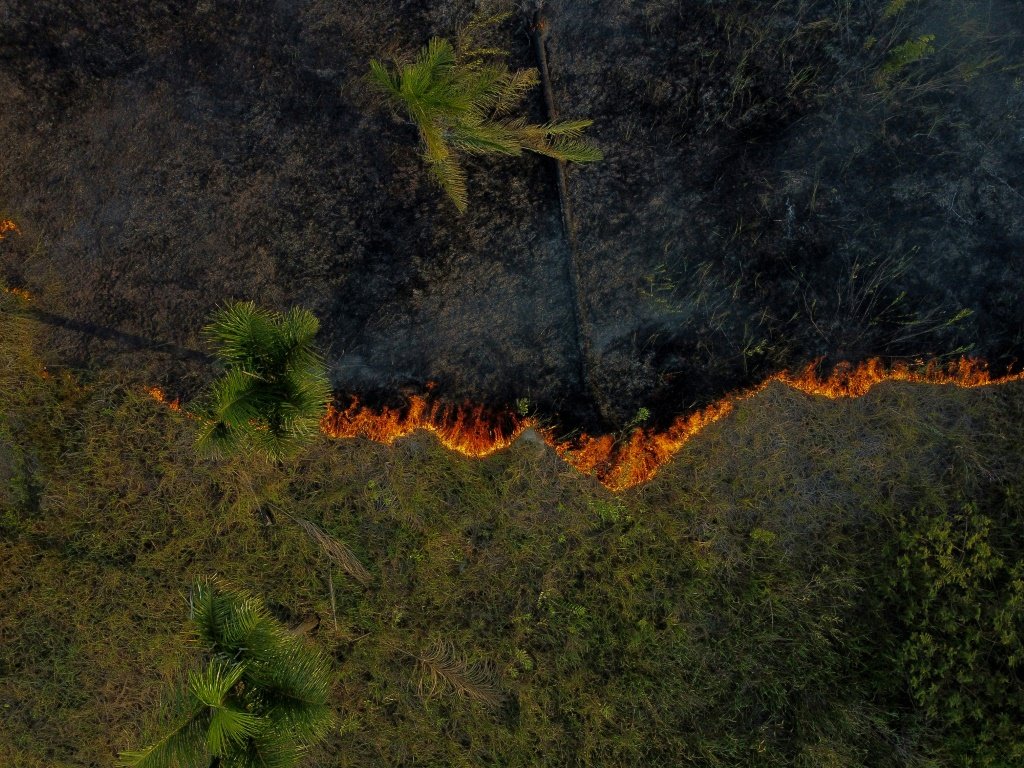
{"points": [[809, 583]]}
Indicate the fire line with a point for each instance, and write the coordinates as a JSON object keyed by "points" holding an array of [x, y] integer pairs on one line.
{"points": [[617, 463], [620, 464]]}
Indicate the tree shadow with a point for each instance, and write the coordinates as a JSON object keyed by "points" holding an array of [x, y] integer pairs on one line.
{"points": [[131, 341]]}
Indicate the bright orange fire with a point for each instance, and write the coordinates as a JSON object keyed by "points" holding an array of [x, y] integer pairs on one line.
{"points": [[21, 293], [161, 397], [468, 430], [6, 225], [620, 463]]}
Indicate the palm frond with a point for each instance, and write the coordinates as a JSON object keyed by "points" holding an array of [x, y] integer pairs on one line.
{"points": [[270, 750], [482, 89], [444, 668], [432, 66], [229, 723], [212, 685], [438, 54], [336, 550], [275, 444], [306, 388], [293, 681], [240, 332], [213, 438], [235, 398], [297, 329], [229, 622], [560, 140], [275, 388], [574, 151], [288, 670], [229, 413], [382, 76], [466, 37], [570, 129], [513, 89], [568, 150], [452, 179], [263, 696], [183, 741], [487, 138], [481, 22]]}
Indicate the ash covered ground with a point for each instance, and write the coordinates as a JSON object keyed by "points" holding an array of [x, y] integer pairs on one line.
{"points": [[783, 182]]}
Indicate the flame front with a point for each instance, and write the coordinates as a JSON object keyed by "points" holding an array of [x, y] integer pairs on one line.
{"points": [[469, 430], [617, 462], [620, 463]]}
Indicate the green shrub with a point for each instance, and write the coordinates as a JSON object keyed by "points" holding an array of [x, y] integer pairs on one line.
{"points": [[961, 601]]}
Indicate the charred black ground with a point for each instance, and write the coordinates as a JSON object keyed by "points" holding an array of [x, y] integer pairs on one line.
{"points": [[783, 182]]}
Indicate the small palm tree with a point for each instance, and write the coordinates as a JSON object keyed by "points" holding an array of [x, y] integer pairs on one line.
{"points": [[274, 390], [462, 101], [260, 701]]}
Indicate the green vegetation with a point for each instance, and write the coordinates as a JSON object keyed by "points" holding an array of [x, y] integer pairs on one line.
{"points": [[274, 390], [261, 697], [810, 583], [963, 609], [463, 102], [903, 55], [894, 8]]}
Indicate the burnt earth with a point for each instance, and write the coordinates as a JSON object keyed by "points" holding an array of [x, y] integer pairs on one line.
{"points": [[768, 198]]}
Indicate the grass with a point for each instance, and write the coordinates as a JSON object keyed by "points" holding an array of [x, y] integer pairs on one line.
{"points": [[758, 603]]}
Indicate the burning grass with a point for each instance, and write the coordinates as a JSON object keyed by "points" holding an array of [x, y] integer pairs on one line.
{"points": [[621, 463]]}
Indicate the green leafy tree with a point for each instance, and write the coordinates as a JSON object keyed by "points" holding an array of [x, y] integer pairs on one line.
{"points": [[260, 700], [462, 101], [274, 389]]}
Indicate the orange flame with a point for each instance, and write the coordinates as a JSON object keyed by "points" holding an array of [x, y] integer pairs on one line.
{"points": [[21, 293], [624, 463], [161, 397], [620, 463], [7, 226], [468, 430]]}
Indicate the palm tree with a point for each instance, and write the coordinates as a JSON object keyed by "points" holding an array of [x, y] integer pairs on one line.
{"points": [[260, 700], [274, 390], [461, 101]]}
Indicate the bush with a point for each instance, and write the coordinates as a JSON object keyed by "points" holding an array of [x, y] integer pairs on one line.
{"points": [[961, 601]]}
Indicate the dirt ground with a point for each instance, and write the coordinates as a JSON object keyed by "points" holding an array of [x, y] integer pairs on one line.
{"points": [[784, 181]]}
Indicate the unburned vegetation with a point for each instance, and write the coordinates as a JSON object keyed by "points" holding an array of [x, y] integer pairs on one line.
{"points": [[809, 583]]}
